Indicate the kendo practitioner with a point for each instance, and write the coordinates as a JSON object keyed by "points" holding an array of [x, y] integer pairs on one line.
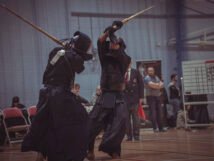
{"points": [[110, 113], [59, 130]]}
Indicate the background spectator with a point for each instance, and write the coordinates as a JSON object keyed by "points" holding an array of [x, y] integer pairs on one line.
{"points": [[198, 112], [75, 89], [174, 96], [180, 122], [153, 86], [164, 103], [134, 93], [16, 103]]}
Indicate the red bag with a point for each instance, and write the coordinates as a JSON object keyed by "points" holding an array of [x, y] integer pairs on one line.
{"points": [[141, 112]]}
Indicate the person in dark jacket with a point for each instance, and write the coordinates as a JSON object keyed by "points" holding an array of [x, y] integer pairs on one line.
{"points": [[16, 103], [110, 112], [198, 112], [174, 96], [75, 89], [59, 130], [134, 94], [164, 103]]}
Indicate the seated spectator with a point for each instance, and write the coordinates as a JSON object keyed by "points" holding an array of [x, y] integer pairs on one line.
{"points": [[180, 121], [199, 112], [16, 103], [75, 89], [96, 95]]}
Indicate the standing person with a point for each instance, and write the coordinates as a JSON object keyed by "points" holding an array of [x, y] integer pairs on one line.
{"points": [[59, 130], [164, 103], [153, 86], [134, 94], [174, 96], [110, 112]]}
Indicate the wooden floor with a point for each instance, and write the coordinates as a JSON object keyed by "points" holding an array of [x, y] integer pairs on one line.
{"points": [[173, 145]]}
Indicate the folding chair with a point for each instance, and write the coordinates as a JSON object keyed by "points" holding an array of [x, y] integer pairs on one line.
{"points": [[31, 113], [15, 124]]}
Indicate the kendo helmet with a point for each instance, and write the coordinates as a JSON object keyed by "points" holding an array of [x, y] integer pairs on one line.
{"points": [[82, 44]]}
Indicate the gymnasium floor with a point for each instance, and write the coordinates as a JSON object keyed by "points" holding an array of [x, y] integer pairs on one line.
{"points": [[173, 145]]}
